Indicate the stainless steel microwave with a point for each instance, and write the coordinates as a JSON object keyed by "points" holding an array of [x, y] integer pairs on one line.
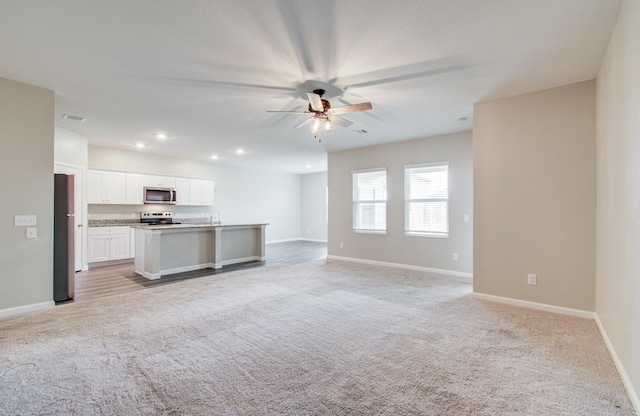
{"points": [[155, 195]]}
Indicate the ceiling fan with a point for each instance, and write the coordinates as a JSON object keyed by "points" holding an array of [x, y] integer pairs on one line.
{"points": [[323, 114]]}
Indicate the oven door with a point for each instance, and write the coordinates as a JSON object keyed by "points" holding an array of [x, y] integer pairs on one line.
{"points": [[154, 195]]}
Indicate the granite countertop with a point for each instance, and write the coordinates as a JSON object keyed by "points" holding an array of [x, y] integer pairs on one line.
{"points": [[113, 223], [136, 222], [194, 225]]}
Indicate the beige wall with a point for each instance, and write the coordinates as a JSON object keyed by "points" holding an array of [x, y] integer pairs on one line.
{"points": [[394, 246], [618, 200], [314, 206], [26, 180], [534, 196]]}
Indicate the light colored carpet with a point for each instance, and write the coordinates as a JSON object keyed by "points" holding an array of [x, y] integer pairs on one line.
{"points": [[319, 338]]}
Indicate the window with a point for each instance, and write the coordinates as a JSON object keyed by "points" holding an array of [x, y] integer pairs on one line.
{"points": [[427, 199], [370, 201]]}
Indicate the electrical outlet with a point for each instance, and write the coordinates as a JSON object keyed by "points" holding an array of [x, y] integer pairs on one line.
{"points": [[532, 279], [455, 256], [341, 245]]}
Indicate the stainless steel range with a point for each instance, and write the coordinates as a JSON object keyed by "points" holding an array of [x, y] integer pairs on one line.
{"points": [[157, 218]]}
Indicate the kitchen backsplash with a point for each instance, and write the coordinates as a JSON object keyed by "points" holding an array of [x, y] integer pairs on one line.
{"points": [[127, 214]]}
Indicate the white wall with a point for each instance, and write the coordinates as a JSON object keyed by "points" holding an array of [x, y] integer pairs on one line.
{"points": [[534, 196], [26, 180], [395, 246], [70, 149], [618, 194], [314, 206], [241, 195]]}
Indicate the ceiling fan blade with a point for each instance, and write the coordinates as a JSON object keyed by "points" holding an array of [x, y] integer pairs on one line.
{"points": [[401, 73], [340, 121], [315, 101], [197, 82], [350, 108], [304, 123]]}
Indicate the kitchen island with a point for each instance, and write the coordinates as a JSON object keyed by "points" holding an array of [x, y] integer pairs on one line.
{"points": [[162, 250]]}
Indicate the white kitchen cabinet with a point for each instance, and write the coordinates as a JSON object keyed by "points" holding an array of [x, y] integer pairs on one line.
{"points": [[201, 192], [133, 189], [108, 243], [160, 181], [105, 187], [119, 248], [98, 247], [182, 191]]}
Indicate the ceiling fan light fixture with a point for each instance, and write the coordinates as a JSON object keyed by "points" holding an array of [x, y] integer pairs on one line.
{"points": [[327, 125], [315, 126]]}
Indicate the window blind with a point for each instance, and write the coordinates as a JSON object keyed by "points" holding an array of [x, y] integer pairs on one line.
{"points": [[427, 199], [370, 200]]}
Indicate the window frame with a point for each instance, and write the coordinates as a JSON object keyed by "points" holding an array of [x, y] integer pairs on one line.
{"points": [[357, 202], [408, 200]]}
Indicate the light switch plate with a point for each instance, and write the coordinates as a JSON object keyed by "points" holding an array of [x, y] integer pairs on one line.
{"points": [[24, 220]]}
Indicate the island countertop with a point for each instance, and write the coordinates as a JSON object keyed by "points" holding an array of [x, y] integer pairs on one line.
{"points": [[195, 225]]}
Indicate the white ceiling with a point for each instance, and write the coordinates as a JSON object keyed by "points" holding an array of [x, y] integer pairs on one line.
{"points": [[206, 72]]}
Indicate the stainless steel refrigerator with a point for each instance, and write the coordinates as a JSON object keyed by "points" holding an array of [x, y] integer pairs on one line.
{"points": [[63, 237]]}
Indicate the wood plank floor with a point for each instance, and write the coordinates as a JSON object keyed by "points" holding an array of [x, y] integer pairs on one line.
{"points": [[121, 279]]}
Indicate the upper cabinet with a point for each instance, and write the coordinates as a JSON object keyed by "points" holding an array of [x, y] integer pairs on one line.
{"points": [[134, 187], [201, 192], [182, 191], [160, 181], [105, 187], [127, 188]]}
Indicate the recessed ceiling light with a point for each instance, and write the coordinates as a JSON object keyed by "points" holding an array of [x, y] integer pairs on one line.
{"points": [[214, 157], [308, 166], [73, 118], [240, 151], [161, 135], [139, 145], [462, 119]]}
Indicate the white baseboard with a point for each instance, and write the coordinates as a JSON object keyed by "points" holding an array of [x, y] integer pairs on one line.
{"points": [[242, 260], [109, 263], [19, 310], [286, 240], [289, 240], [534, 305], [402, 266], [623, 374]]}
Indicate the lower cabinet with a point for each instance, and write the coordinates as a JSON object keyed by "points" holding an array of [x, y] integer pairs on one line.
{"points": [[108, 243]]}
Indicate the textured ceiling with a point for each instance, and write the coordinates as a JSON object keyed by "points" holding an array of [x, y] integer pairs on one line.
{"points": [[206, 72]]}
